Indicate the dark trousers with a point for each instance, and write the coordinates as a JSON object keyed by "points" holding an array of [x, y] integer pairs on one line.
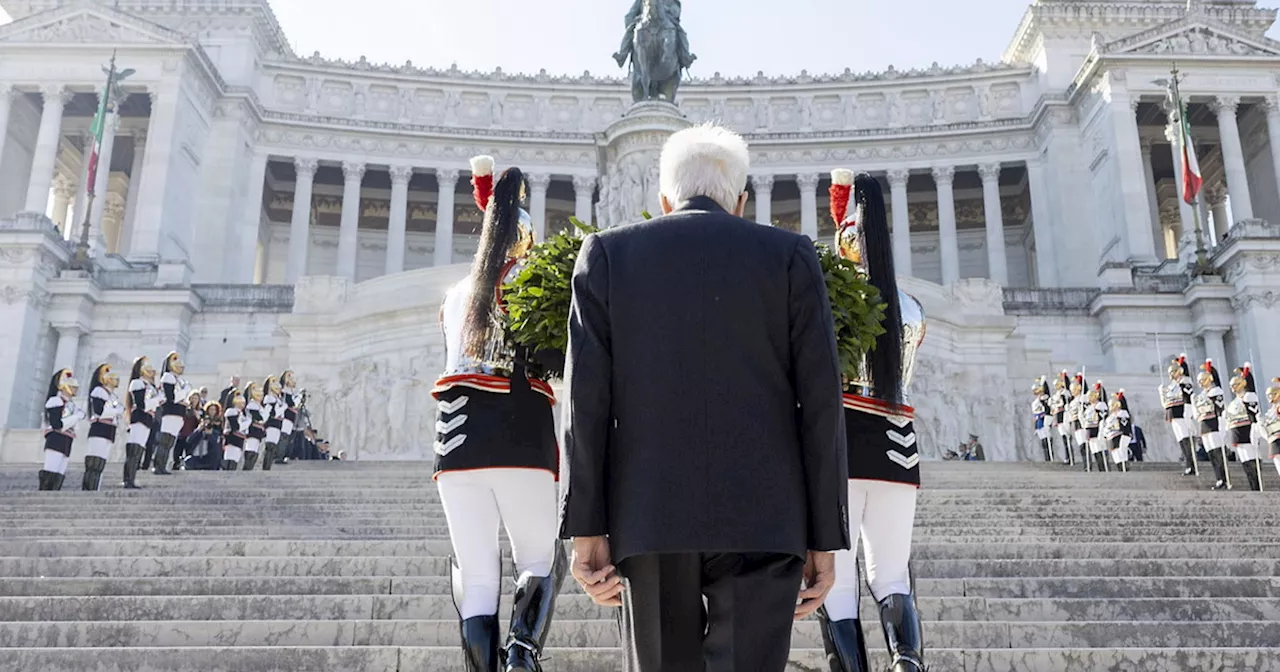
{"points": [[744, 624]]}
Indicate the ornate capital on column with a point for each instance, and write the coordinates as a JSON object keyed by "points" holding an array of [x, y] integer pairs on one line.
{"points": [[539, 181], [898, 177], [1272, 103], [306, 167], [944, 174], [63, 187], [1225, 104], [807, 182], [1215, 194], [762, 183], [139, 138], [56, 93], [584, 184], [1133, 105], [447, 177], [1144, 144], [401, 174], [990, 172], [353, 171]]}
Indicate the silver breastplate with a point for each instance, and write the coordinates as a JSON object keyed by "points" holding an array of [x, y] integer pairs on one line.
{"points": [[1236, 414], [497, 355], [913, 327], [1171, 395], [1271, 425], [1205, 408]]}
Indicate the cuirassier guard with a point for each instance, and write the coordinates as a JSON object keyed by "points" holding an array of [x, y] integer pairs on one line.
{"points": [[1210, 406], [1175, 396], [1118, 430], [884, 474], [1241, 418], [1040, 416], [1080, 402], [1271, 422], [1058, 403], [61, 415]]}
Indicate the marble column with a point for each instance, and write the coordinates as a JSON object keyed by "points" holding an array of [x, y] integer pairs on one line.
{"points": [[1136, 216], [1233, 156], [538, 185], [1042, 226], [63, 192], [131, 196], [997, 260], [1273, 133], [300, 219], [45, 156], [584, 191], [949, 246], [7, 97], [242, 262], [1215, 197], [1186, 213], [349, 229], [808, 184], [112, 220], [763, 186], [1153, 202], [448, 181], [112, 122], [146, 242], [1216, 349], [898, 178], [68, 348], [398, 219]]}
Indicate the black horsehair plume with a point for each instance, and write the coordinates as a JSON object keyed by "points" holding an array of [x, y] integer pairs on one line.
{"points": [[136, 372], [53, 383], [501, 229], [96, 380], [877, 254]]}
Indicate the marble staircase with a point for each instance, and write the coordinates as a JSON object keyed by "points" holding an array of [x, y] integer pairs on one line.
{"points": [[342, 566]]}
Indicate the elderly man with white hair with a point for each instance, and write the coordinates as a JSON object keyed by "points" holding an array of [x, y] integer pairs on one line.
{"points": [[704, 436]]}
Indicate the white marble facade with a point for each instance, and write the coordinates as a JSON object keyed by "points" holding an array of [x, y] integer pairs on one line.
{"points": [[1034, 201]]}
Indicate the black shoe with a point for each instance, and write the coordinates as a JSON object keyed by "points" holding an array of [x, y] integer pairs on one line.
{"points": [[901, 623], [163, 445], [844, 644], [1189, 472], [480, 644], [531, 615], [1221, 485]]}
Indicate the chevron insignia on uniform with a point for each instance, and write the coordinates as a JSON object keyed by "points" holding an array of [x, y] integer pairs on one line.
{"points": [[448, 407], [898, 421], [902, 460], [444, 448], [445, 428], [904, 440]]}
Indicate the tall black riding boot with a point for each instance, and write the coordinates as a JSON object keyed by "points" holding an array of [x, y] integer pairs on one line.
{"points": [[163, 445], [55, 481], [93, 467], [1253, 474], [149, 450], [1085, 457], [1100, 461], [250, 458], [1188, 446], [1044, 448], [480, 644], [901, 622], [531, 614], [843, 643], [228, 465], [1066, 451], [46, 479], [132, 457], [268, 456], [1219, 469]]}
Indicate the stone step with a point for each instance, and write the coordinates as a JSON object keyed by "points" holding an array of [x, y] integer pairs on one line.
{"points": [[581, 659], [921, 550], [439, 567], [1006, 588], [575, 606], [605, 634]]}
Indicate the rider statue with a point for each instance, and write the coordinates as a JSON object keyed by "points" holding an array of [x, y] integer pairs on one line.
{"points": [[654, 86]]}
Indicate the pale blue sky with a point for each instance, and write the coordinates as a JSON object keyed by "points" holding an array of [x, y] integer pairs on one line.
{"points": [[733, 37]]}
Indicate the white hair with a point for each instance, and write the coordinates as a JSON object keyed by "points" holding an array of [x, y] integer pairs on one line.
{"points": [[706, 160]]}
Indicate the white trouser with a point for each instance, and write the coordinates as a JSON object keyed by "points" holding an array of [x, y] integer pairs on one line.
{"points": [[286, 427], [1064, 429], [55, 462], [1247, 451], [882, 514], [171, 424], [475, 504], [1213, 440], [230, 452], [1043, 432], [1183, 428], [1097, 445], [251, 445], [1121, 454], [273, 435], [97, 446], [1082, 437], [139, 434]]}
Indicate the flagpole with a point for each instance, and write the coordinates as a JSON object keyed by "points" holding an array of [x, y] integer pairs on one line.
{"points": [[1202, 257], [81, 260]]}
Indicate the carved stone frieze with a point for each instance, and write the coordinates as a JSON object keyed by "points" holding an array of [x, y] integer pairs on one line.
{"points": [[1245, 302]]}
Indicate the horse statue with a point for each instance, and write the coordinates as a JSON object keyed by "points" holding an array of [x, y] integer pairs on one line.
{"points": [[658, 49]]}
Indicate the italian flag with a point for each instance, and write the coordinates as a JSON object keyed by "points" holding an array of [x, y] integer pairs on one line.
{"points": [[1191, 180], [97, 129]]}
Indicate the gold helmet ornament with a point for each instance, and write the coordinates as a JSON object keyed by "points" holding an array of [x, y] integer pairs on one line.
{"points": [[142, 367], [1119, 403], [1273, 392], [237, 400], [173, 364], [1061, 383], [253, 392], [64, 382], [1208, 377], [848, 241], [482, 190], [287, 379], [272, 386], [1098, 393], [104, 377]]}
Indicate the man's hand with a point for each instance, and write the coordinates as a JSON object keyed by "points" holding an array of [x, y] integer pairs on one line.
{"points": [[594, 571], [819, 578]]}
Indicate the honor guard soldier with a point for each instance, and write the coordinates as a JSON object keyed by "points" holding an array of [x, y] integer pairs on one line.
{"points": [[1058, 403], [236, 430], [1040, 416], [289, 394], [1209, 407], [1271, 422], [141, 401], [105, 412], [1080, 391], [173, 414], [1241, 418], [884, 474], [1118, 430], [273, 411], [257, 424], [1092, 414], [497, 460], [61, 415], [1175, 396]]}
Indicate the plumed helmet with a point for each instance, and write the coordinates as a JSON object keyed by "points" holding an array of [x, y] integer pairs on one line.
{"points": [[63, 381]]}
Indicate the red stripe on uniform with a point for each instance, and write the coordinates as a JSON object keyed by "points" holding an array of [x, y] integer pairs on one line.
{"points": [[878, 407]]}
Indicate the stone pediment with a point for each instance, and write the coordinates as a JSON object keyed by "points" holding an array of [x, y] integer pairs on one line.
{"points": [[1188, 38], [88, 25]]}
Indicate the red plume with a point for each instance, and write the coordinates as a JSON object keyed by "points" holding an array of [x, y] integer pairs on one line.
{"points": [[482, 180], [840, 192]]}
